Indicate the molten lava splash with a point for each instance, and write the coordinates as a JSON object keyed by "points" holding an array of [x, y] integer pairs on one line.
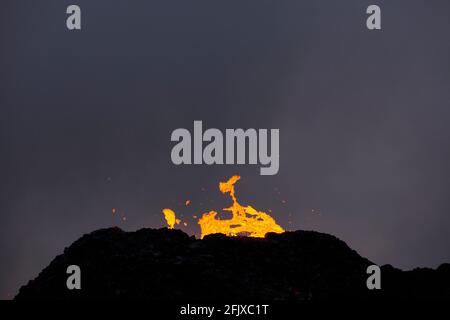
{"points": [[245, 219], [170, 218]]}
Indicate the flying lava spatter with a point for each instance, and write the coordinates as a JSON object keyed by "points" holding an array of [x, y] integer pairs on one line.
{"points": [[245, 220]]}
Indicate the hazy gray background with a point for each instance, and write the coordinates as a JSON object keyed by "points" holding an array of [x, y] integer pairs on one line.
{"points": [[86, 118]]}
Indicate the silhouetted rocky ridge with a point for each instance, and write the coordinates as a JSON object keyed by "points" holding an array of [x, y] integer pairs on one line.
{"points": [[162, 264]]}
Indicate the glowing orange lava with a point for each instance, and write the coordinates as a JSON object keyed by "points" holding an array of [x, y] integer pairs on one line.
{"points": [[171, 219], [245, 220]]}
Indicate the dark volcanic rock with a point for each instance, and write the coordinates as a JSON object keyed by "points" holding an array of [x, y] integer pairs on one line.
{"points": [[168, 264]]}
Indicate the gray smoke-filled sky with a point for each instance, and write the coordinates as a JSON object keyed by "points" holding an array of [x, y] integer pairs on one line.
{"points": [[86, 118]]}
